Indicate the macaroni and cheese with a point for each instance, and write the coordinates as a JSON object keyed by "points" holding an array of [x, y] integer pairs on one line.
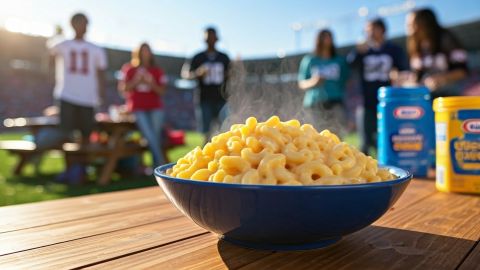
{"points": [[278, 153]]}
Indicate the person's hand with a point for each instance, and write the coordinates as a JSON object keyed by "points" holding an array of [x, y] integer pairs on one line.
{"points": [[317, 80], [201, 71], [433, 82], [137, 79], [362, 47], [51, 111], [403, 78], [148, 78]]}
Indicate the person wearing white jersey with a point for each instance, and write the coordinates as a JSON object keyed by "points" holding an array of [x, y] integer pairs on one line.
{"points": [[79, 76]]}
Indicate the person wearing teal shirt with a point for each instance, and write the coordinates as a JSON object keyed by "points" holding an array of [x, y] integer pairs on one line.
{"points": [[322, 75]]}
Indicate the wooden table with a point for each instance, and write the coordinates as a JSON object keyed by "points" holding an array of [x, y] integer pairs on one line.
{"points": [[139, 228], [116, 148]]}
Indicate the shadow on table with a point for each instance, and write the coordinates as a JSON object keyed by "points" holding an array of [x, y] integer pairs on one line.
{"points": [[372, 248]]}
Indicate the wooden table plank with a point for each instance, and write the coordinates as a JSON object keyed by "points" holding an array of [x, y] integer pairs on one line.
{"points": [[424, 230], [454, 215], [200, 252], [375, 248], [36, 237], [472, 262], [18, 217], [207, 253], [434, 233], [379, 245], [104, 247], [417, 190]]}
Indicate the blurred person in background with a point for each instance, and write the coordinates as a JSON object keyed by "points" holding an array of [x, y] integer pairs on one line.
{"points": [[79, 88], [79, 79], [437, 59], [374, 59], [322, 76], [210, 69], [143, 84]]}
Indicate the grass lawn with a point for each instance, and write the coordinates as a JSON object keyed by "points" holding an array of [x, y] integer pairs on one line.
{"points": [[31, 187]]}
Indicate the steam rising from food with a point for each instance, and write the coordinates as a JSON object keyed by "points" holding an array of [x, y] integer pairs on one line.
{"points": [[262, 94]]}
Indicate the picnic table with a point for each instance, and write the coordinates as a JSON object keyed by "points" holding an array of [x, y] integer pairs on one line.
{"points": [[135, 229], [116, 148]]}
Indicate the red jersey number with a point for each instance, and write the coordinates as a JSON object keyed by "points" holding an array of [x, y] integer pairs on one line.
{"points": [[74, 65]]}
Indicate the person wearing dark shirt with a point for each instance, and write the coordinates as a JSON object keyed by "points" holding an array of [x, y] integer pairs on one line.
{"points": [[375, 60], [437, 58], [210, 69]]}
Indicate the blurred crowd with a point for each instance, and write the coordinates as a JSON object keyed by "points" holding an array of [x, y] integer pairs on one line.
{"points": [[434, 58]]}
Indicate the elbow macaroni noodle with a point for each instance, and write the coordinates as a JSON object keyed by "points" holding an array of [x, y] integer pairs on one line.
{"points": [[278, 153]]}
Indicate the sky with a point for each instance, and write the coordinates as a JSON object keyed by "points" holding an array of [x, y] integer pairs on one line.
{"points": [[247, 29]]}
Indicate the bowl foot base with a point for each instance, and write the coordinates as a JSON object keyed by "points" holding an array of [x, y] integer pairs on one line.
{"points": [[282, 247]]}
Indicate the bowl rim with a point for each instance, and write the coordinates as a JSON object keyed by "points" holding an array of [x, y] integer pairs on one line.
{"points": [[407, 176]]}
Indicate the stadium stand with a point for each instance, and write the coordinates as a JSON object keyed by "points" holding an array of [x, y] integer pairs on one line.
{"points": [[26, 81]]}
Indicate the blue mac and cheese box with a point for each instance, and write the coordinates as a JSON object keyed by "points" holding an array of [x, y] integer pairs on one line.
{"points": [[406, 129]]}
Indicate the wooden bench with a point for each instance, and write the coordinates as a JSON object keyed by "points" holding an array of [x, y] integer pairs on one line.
{"points": [[24, 149], [74, 153], [86, 154], [17, 145], [117, 148]]}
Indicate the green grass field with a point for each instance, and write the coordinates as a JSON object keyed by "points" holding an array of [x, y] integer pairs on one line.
{"points": [[40, 186]]}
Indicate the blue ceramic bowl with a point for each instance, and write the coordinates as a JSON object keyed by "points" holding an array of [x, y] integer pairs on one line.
{"points": [[282, 217]]}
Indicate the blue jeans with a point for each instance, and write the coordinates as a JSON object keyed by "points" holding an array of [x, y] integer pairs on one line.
{"points": [[150, 124], [49, 137], [212, 111]]}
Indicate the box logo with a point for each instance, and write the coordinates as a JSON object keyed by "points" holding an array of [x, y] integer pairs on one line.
{"points": [[471, 126], [408, 112]]}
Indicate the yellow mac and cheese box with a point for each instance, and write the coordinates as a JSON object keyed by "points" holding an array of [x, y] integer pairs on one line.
{"points": [[457, 128]]}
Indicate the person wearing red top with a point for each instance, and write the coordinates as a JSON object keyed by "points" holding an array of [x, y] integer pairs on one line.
{"points": [[142, 85]]}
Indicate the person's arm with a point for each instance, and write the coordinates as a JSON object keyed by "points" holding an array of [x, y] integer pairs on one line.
{"points": [[186, 72], [157, 88], [457, 66], [436, 81], [157, 82], [313, 82], [193, 70], [399, 74], [306, 80], [354, 58], [129, 84], [53, 50], [128, 81]]}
